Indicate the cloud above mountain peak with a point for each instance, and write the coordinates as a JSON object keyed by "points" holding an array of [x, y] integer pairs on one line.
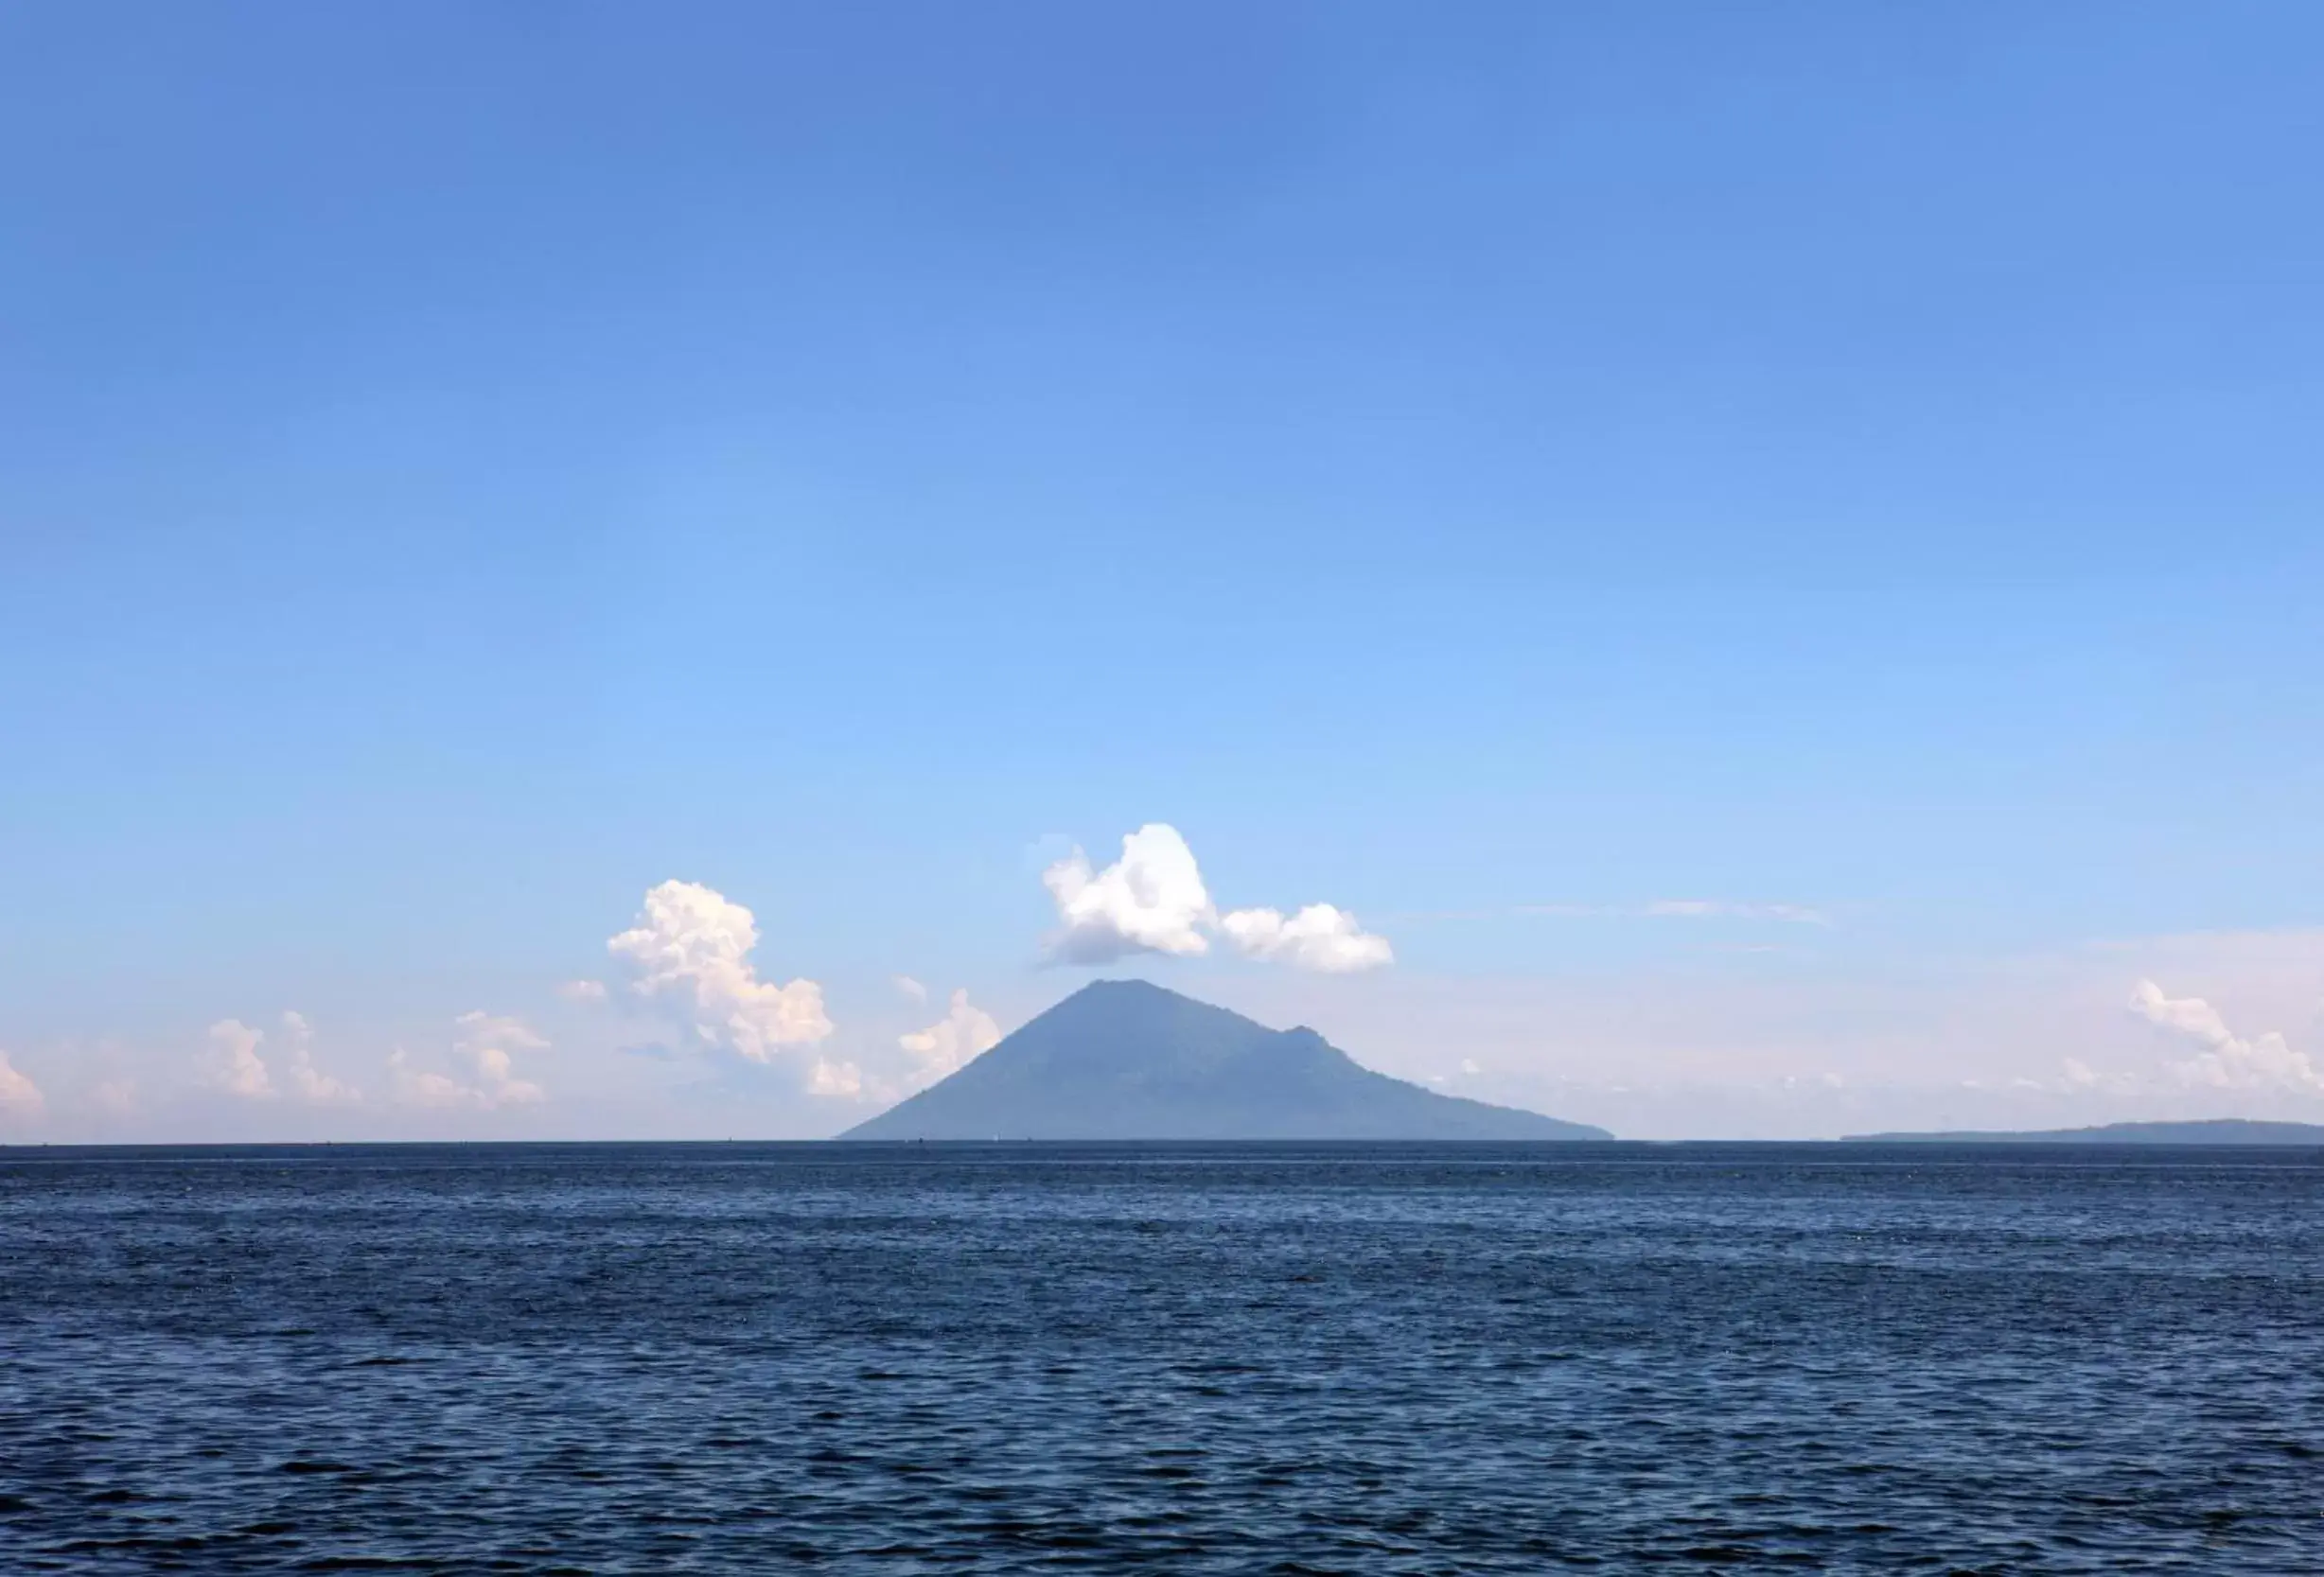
{"points": [[1153, 899]]}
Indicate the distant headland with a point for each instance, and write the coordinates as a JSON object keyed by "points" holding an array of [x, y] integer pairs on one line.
{"points": [[2222, 1130], [1127, 1060]]}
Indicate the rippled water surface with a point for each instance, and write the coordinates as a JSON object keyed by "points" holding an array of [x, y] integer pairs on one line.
{"points": [[1368, 1359]]}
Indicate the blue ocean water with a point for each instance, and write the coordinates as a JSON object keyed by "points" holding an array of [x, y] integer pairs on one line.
{"points": [[1231, 1358]]}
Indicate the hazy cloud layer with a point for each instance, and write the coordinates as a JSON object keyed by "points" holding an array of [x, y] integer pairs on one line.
{"points": [[2225, 1060], [1712, 908], [1153, 900], [1659, 908], [416, 1086], [965, 1033], [19, 1097], [231, 1060], [308, 1082], [487, 1043], [829, 1076]]}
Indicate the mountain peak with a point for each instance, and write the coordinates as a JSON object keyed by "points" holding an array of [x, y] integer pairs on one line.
{"points": [[1130, 1059], [1128, 988]]}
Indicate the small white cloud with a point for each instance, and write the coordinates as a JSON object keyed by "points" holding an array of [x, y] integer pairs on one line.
{"points": [[1469, 1066], [116, 1095], [19, 1097], [582, 990], [1318, 938], [231, 1061], [2080, 1075], [910, 987], [2226, 1061], [1152, 899], [690, 949], [308, 1082], [965, 1033]]}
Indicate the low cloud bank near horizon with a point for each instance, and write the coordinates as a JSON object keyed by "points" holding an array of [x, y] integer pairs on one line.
{"points": [[1153, 900], [19, 1095], [2138, 1029], [308, 1082], [231, 1064], [1721, 1047], [2225, 1060]]}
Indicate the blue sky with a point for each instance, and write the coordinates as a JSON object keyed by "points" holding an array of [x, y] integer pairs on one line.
{"points": [[462, 467]]}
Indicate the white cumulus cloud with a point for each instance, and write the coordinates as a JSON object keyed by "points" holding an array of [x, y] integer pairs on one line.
{"points": [[690, 948], [1153, 900], [2225, 1060], [582, 990], [1318, 938], [19, 1095], [965, 1033], [910, 987], [691, 951], [231, 1061]]}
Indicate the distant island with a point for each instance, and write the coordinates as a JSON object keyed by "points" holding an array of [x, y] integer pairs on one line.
{"points": [[1127, 1060], [2222, 1130]]}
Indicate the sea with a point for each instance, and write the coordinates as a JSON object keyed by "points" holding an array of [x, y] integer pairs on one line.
{"points": [[1441, 1359]]}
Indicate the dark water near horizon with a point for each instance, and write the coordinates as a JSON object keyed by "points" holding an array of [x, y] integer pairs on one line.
{"points": [[1245, 1358]]}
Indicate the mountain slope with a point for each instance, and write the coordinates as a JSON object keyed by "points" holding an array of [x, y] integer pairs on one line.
{"points": [[1126, 1059]]}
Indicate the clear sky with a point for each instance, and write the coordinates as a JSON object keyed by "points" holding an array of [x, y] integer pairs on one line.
{"points": [[1769, 556]]}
